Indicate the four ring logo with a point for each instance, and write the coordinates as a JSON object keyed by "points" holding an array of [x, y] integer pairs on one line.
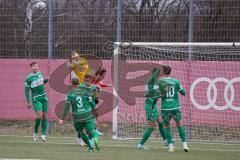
{"points": [[212, 98]]}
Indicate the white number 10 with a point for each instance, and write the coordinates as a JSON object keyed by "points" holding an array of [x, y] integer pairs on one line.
{"points": [[170, 91]]}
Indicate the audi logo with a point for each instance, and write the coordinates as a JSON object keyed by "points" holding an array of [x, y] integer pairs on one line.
{"points": [[213, 97]]}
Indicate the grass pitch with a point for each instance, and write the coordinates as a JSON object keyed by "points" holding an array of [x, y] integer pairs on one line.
{"points": [[65, 148]]}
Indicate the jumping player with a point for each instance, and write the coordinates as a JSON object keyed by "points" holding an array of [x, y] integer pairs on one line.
{"points": [[151, 109], [79, 66]]}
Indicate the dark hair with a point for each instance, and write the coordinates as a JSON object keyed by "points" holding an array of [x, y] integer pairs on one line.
{"points": [[100, 71], [87, 76], [75, 81], [33, 63], [167, 70]]}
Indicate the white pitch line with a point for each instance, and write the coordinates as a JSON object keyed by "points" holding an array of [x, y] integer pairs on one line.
{"points": [[128, 146], [31, 137], [205, 143], [197, 142], [16, 159]]}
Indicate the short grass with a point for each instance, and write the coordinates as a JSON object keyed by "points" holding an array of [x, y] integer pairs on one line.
{"points": [[65, 148]]}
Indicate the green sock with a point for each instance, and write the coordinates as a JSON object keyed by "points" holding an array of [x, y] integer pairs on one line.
{"points": [[79, 135], [93, 134], [90, 136], [36, 124], [168, 135], [86, 140], [146, 135], [162, 130], [44, 126], [182, 133]]}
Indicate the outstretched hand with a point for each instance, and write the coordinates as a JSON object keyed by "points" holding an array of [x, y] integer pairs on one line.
{"points": [[60, 122], [29, 105]]}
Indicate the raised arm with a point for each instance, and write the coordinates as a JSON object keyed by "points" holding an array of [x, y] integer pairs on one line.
{"points": [[103, 85], [151, 84], [154, 76], [70, 65]]}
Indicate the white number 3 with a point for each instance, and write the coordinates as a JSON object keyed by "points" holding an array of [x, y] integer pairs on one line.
{"points": [[79, 102]]}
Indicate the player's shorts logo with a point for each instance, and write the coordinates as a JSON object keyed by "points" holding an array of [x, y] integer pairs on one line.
{"points": [[212, 98]]}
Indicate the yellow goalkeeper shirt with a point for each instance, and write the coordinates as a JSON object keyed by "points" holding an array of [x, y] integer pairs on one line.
{"points": [[80, 68]]}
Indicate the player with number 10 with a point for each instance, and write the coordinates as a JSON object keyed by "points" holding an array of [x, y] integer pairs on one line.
{"points": [[170, 106]]}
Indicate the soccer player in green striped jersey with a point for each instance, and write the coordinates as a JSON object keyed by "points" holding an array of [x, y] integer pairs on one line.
{"points": [[90, 90], [151, 109], [83, 109], [170, 106], [39, 100]]}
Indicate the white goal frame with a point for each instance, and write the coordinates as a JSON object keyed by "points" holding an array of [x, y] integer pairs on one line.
{"points": [[117, 51]]}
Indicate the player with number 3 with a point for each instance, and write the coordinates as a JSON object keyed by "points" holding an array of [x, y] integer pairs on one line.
{"points": [[83, 112]]}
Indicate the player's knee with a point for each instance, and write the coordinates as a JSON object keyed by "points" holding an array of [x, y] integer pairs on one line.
{"points": [[88, 132], [44, 116], [166, 125], [159, 120], [178, 123], [152, 125], [39, 115], [91, 131]]}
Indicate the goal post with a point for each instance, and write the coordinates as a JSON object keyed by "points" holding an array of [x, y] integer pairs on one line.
{"points": [[115, 90], [211, 109], [180, 44]]}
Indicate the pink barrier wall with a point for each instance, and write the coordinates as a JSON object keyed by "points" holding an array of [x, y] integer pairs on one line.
{"points": [[212, 90], [13, 73]]}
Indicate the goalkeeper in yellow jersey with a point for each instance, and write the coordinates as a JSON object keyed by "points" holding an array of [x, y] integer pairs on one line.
{"points": [[79, 66]]}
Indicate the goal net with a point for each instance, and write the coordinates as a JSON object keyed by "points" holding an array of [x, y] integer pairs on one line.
{"points": [[210, 74]]}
